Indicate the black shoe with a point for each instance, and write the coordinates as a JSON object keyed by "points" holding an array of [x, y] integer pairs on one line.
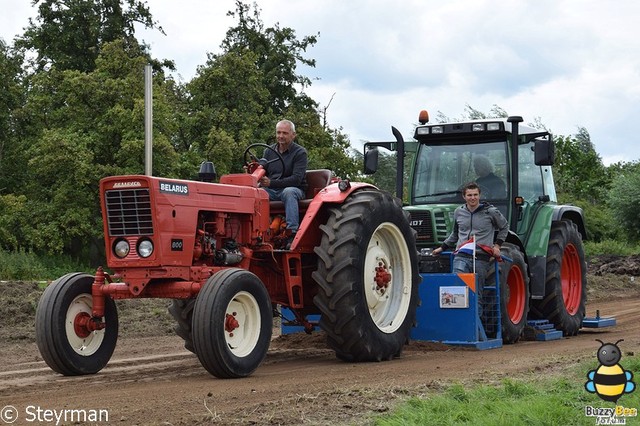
{"points": [[289, 241]]}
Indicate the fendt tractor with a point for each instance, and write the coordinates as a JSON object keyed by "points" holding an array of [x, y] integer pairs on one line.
{"points": [[219, 252], [545, 278]]}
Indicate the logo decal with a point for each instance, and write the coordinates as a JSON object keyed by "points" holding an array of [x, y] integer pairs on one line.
{"points": [[130, 184], [174, 188]]}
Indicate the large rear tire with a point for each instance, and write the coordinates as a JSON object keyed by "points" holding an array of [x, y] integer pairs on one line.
{"points": [[368, 277], [65, 341], [232, 323], [182, 311], [566, 280], [514, 293]]}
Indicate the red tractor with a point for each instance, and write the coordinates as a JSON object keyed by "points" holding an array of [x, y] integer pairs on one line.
{"points": [[218, 251]]}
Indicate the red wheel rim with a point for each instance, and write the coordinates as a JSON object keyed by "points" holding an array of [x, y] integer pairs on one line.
{"points": [[517, 294], [571, 277]]}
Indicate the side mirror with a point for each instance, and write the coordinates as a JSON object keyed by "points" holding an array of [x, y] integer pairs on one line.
{"points": [[544, 152], [207, 172], [370, 161]]}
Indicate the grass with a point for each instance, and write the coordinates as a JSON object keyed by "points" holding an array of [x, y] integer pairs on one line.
{"points": [[611, 247], [27, 266], [538, 401]]}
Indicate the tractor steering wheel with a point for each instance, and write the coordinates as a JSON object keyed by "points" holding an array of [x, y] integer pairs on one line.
{"points": [[250, 156]]}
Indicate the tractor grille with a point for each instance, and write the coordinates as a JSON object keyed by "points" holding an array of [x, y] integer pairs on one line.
{"points": [[440, 226], [129, 212], [421, 222]]}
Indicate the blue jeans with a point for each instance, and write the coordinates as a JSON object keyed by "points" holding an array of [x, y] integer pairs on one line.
{"points": [[290, 197], [463, 263]]}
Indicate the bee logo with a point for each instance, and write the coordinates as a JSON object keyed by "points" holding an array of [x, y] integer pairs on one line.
{"points": [[609, 381]]}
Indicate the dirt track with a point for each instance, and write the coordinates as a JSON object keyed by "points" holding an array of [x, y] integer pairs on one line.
{"points": [[153, 380]]}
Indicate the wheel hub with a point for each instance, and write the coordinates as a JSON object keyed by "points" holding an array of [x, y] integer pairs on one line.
{"points": [[382, 277], [231, 323], [81, 325]]}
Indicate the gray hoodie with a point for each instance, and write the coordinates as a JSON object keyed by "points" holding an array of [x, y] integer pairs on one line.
{"points": [[482, 222]]}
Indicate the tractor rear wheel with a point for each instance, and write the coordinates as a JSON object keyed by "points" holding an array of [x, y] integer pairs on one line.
{"points": [[182, 311], [64, 335], [367, 276], [514, 293], [232, 323], [566, 280]]}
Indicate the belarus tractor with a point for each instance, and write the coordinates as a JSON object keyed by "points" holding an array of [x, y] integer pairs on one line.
{"points": [[546, 278], [218, 252]]}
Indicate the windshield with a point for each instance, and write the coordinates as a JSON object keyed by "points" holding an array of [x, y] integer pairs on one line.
{"points": [[441, 171]]}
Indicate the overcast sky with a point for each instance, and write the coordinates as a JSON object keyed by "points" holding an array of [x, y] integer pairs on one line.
{"points": [[569, 62]]}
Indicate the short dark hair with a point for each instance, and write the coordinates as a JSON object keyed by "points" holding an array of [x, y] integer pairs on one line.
{"points": [[471, 185]]}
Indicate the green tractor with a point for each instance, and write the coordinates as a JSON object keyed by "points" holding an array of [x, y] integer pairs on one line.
{"points": [[512, 164]]}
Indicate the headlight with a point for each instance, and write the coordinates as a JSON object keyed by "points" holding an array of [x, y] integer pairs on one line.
{"points": [[121, 248], [145, 248]]}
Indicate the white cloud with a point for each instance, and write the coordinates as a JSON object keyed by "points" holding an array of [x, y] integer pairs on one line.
{"points": [[570, 63]]}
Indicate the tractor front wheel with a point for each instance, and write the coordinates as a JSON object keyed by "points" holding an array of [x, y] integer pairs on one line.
{"points": [[232, 323], [367, 277], [566, 280], [65, 335]]}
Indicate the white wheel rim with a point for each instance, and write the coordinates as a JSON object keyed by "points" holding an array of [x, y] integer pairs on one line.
{"points": [[85, 346], [242, 339], [388, 299]]}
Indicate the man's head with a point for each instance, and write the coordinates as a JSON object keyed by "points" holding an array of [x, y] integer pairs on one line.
{"points": [[482, 165], [285, 133], [471, 195]]}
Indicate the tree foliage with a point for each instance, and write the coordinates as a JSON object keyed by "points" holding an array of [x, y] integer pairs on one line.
{"points": [[70, 34], [623, 198], [579, 170]]}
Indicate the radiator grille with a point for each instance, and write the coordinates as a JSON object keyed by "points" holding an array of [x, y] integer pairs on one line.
{"points": [[421, 222], [441, 226], [129, 212]]}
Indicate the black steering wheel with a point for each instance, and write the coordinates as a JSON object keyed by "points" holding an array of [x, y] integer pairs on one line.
{"points": [[250, 156]]}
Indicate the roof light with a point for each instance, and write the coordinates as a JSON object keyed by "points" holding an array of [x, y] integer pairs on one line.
{"points": [[478, 127], [423, 117], [493, 126], [437, 130], [422, 131]]}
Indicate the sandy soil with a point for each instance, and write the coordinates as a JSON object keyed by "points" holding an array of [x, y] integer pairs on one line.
{"points": [[153, 380]]}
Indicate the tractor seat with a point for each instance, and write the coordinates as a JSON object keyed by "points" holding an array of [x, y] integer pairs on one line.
{"points": [[316, 180]]}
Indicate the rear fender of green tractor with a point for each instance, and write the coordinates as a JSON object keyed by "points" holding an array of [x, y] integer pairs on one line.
{"points": [[558, 268], [536, 242]]}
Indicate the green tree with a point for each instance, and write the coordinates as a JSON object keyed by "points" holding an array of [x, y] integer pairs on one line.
{"points": [[278, 51], [12, 96], [623, 199], [238, 96], [579, 171], [70, 34], [86, 126]]}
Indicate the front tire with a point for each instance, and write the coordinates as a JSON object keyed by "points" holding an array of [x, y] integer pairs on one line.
{"points": [[514, 293], [232, 323], [64, 341], [566, 280], [367, 277]]}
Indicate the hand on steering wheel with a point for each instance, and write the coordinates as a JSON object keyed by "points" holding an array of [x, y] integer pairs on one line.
{"points": [[250, 156]]}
